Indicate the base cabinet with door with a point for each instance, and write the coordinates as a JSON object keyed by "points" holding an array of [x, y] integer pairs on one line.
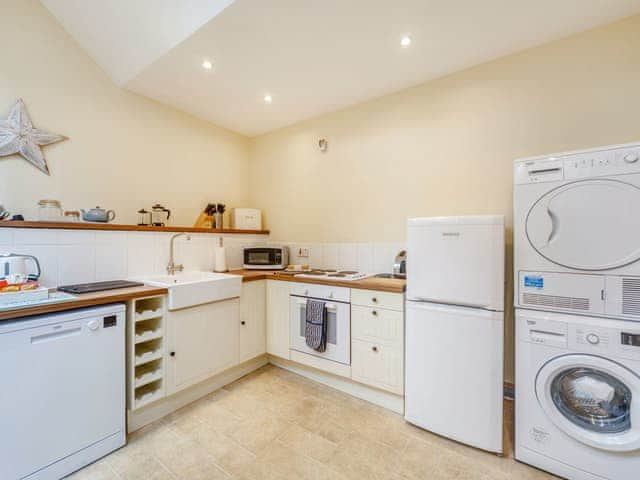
{"points": [[203, 341], [278, 318], [377, 339], [253, 321]]}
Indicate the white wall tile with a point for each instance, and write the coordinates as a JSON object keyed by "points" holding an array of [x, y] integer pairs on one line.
{"points": [[142, 255], [330, 255], [383, 256], [76, 237], [365, 257], [47, 257], [35, 236], [76, 264], [111, 261], [6, 237], [315, 255], [347, 256]]}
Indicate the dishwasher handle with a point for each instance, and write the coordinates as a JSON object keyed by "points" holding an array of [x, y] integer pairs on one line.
{"points": [[56, 335]]}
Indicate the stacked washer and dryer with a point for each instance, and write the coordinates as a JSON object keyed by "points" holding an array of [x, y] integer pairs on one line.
{"points": [[577, 299]]}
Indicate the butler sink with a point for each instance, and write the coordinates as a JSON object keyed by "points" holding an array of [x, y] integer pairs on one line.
{"points": [[188, 289]]}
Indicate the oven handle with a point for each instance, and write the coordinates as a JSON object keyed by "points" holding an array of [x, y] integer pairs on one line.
{"points": [[328, 306]]}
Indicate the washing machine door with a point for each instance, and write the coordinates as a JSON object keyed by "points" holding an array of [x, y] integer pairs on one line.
{"points": [[587, 225], [593, 400]]}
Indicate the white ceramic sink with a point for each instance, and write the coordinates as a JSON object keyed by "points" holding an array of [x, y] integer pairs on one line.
{"points": [[188, 289]]}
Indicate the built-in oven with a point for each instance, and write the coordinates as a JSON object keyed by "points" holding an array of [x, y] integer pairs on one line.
{"points": [[338, 316], [272, 257]]}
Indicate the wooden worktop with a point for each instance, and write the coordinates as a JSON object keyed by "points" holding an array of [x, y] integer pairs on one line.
{"points": [[122, 227], [84, 300], [392, 285]]}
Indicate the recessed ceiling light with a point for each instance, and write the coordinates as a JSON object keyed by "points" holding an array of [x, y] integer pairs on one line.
{"points": [[268, 98], [207, 65], [405, 41]]}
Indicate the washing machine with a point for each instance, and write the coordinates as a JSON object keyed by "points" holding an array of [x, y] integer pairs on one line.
{"points": [[578, 395], [577, 232]]}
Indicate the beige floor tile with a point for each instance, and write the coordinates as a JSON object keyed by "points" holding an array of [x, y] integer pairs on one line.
{"points": [[255, 434], [275, 425], [308, 443], [96, 471], [134, 461]]}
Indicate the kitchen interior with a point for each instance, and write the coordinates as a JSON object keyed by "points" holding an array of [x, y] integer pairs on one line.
{"points": [[346, 240]]}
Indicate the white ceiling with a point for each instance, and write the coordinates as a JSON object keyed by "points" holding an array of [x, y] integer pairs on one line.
{"points": [[124, 36], [311, 56]]}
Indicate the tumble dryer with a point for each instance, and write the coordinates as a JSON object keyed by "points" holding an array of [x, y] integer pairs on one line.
{"points": [[577, 232]]}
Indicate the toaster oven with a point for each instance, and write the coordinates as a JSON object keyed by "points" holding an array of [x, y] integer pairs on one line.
{"points": [[266, 258]]}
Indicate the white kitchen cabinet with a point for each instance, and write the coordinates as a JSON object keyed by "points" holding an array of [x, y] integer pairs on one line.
{"points": [[278, 318], [378, 365], [253, 326], [377, 339], [203, 341]]}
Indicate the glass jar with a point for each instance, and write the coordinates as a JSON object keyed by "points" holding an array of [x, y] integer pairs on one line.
{"points": [[49, 211]]}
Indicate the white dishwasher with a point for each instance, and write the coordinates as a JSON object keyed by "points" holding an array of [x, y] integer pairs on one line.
{"points": [[62, 391]]}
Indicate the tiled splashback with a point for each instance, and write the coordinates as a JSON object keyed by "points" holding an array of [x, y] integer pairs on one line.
{"points": [[364, 257], [77, 256]]}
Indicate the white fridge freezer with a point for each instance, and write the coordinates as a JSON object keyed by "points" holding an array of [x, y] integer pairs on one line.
{"points": [[454, 372], [454, 327]]}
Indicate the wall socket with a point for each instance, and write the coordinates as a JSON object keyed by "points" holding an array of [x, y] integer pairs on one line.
{"points": [[303, 252]]}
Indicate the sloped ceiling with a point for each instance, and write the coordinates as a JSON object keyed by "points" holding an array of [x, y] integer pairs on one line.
{"points": [[311, 56]]}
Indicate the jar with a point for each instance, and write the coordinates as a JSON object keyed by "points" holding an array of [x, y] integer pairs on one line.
{"points": [[72, 216], [49, 211]]}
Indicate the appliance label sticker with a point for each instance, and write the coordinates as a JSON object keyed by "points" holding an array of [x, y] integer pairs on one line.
{"points": [[534, 281]]}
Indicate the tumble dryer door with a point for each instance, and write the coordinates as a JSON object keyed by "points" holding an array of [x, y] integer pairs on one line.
{"points": [[587, 225], [593, 400]]}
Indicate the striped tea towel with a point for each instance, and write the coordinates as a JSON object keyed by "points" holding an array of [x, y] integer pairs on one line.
{"points": [[315, 331]]}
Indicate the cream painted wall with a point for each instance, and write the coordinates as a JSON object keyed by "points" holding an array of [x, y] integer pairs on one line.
{"points": [[124, 152], [447, 147]]}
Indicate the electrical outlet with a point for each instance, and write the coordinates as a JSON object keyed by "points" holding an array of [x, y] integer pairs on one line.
{"points": [[303, 252]]}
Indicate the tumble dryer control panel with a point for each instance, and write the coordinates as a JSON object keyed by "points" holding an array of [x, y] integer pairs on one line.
{"points": [[585, 164]]}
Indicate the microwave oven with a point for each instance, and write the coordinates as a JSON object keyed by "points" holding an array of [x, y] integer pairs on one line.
{"points": [[266, 258]]}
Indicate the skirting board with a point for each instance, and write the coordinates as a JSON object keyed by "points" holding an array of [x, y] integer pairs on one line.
{"points": [[162, 408], [383, 399]]}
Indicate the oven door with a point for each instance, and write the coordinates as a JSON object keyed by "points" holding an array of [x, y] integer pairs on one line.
{"points": [[338, 330]]}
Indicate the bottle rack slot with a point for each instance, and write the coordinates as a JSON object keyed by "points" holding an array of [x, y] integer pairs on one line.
{"points": [[146, 347], [149, 329], [148, 373], [148, 351], [148, 393], [148, 308]]}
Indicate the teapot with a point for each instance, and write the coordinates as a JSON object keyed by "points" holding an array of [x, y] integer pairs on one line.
{"points": [[98, 215]]}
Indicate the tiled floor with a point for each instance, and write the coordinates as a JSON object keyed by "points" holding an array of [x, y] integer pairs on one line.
{"points": [[273, 424]]}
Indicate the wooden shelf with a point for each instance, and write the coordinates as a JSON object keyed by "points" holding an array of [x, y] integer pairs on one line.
{"points": [[128, 228]]}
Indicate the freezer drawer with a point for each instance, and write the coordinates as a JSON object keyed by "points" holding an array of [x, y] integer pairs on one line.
{"points": [[454, 372]]}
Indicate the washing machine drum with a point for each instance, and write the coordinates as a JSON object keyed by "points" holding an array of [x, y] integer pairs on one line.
{"points": [[587, 225], [592, 399]]}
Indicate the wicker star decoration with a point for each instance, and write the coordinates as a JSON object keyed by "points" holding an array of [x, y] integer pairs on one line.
{"points": [[18, 135]]}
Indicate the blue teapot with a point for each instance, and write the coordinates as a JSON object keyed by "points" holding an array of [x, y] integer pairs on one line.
{"points": [[98, 215]]}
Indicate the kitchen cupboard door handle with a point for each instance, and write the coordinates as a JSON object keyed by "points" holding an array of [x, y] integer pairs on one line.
{"points": [[243, 322], [374, 313], [173, 354], [375, 349], [374, 300]]}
